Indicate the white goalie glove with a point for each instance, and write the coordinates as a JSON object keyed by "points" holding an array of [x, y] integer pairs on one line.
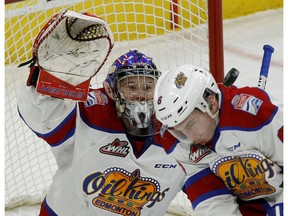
{"points": [[70, 49]]}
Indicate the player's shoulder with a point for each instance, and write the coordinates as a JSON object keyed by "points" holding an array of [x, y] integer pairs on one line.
{"points": [[99, 111], [166, 140], [253, 91], [98, 100], [247, 108]]}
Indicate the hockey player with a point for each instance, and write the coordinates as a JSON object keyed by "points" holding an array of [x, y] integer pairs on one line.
{"points": [[108, 149], [241, 125]]}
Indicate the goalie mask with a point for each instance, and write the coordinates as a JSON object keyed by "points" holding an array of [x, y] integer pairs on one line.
{"points": [[130, 82]]}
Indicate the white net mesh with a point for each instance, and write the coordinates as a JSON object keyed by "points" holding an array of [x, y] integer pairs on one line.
{"points": [[171, 33], [29, 164]]}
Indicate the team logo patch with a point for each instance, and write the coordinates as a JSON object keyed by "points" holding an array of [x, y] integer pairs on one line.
{"points": [[247, 103], [247, 175], [197, 152], [119, 191], [180, 80], [96, 97], [116, 148]]}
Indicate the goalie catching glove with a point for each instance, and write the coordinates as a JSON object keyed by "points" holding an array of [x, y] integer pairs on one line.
{"points": [[70, 49]]}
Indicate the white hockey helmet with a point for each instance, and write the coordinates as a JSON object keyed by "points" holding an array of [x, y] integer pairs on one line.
{"points": [[180, 91]]}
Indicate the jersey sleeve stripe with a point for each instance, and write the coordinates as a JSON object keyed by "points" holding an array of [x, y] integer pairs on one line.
{"points": [[254, 128], [62, 132], [210, 194], [96, 127], [204, 185], [172, 147], [198, 177], [46, 210], [66, 121]]}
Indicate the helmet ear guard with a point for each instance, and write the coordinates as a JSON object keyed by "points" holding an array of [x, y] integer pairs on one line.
{"points": [[209, 96]]}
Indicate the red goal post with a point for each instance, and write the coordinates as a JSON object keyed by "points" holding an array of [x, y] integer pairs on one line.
{"points": [[216, 54], [173, 32]]}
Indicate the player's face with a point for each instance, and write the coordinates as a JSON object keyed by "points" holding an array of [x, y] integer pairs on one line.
{"points": [[137, 88], [198, 127]]}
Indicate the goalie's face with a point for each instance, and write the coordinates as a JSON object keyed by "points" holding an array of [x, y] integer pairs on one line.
{"points": [[130, 82], [135, 104], [137, 88]]}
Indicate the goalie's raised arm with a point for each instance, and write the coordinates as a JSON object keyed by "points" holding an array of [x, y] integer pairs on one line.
{"points": [[69, 50]]}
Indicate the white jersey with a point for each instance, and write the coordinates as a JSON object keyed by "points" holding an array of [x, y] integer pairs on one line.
{"points": [[101, 171], [249, 143], [249, 140]]}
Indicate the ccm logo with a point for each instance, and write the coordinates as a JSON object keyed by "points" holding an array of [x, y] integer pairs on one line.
{"points": [[166, 166]]}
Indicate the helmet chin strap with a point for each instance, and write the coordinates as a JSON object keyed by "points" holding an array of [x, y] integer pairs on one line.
{"points": [[213, 116], [120, 107]]}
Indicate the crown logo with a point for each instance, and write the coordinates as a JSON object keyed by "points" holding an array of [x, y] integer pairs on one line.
{"points": [[180, 80], [246, 175], [122, 192]]}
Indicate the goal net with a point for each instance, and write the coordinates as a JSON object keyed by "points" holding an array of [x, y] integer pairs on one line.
{"points": [[173, 32]]}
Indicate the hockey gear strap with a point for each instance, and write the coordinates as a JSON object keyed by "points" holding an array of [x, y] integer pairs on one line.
{"points": [[33, 76]]}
